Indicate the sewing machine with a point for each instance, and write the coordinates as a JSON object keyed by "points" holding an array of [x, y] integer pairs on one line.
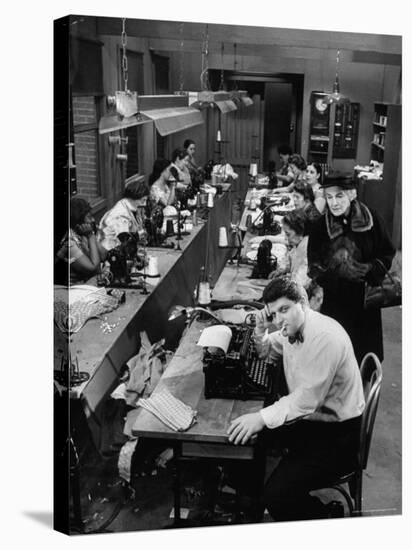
{"points": [[123, 259]]}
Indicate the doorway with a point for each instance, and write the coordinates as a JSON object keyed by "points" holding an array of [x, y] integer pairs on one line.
{"points": [[280, 113], [279, 126]]}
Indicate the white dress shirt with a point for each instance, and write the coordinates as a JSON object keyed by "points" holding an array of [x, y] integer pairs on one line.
{"points": [[321, 372]]}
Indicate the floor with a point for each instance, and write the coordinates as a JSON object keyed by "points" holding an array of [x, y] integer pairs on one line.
{"points": [[107, 504]]}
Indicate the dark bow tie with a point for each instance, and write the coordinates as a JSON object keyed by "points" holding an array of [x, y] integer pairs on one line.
{"points": [[298, 337]]}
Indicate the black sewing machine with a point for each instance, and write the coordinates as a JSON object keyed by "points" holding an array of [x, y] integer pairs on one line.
{"points": [[266, 223], [240, 373], [153, 224], [122, 258], [265, 263]]}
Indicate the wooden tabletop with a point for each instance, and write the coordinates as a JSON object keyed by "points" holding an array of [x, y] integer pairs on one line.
{"points": [[184, 378]]}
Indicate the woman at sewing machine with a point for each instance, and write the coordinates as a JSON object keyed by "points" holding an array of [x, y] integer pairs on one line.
{"points": [[162, 183], [284, 174], [303, 199], [196, 173], [297, 166], [180, 160], [313, 178], [190, 147], [80, 252], [127, 215], [293, 225]]}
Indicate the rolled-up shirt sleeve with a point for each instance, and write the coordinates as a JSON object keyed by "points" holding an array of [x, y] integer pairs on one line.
{"points": [[310, 386]]}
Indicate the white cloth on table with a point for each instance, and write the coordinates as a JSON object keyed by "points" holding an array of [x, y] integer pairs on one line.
{"points": [[170, 410]]}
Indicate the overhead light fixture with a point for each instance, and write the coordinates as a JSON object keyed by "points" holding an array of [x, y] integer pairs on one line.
{"points": [[170, 113], [336, 97], [205, 98], [239, 97]]}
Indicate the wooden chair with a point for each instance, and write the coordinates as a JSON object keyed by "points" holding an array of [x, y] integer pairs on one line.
{"points": [[371, 373]]}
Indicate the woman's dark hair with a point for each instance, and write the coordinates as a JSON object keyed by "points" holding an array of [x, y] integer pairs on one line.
{"points": [[136, 190], [284, 149], [179, 154], [298, 161], [296, 220], [158, 167], [79, 208], [187, 143], [305, 190], [283, 287], [318, 169]]}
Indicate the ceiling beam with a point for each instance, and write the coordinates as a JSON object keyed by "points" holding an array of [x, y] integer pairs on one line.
{"points": [[259, 50], [387, 44]]}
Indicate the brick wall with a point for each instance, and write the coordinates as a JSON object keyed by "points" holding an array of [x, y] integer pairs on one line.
{"points": [[85, 143]]}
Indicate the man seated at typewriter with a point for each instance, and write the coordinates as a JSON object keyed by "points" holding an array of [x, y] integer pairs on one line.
{"points": [[317, 424]]}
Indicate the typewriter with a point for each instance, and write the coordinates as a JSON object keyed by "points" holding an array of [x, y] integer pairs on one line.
{"points": [[240, 373]]}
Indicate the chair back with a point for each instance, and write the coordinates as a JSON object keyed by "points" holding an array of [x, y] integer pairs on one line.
{"points": [[371, 374]]}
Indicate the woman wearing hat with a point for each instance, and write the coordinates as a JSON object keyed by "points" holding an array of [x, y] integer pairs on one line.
{"points": [[343, 249], [126, 215]]}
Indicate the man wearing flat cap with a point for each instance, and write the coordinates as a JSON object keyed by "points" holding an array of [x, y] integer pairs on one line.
{"points": [[347, 248]]}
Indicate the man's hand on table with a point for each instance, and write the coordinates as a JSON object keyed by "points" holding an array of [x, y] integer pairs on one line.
{"points": [[244, 427]]}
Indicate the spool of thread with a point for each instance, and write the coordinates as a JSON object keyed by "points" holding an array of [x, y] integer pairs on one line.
{"points": [[169, 228], [223, 236], [152, 268], [253, 169], [210, 200], [248, 221], [204, 293]]}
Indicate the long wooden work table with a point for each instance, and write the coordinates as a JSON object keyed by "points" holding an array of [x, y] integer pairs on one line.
{"points": [[184, 379], [102, 354]]}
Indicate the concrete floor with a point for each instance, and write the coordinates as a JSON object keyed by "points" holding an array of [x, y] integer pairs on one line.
{"points": [[152, 502]]}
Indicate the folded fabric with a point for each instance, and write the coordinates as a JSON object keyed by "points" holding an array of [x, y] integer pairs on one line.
{"points": [[170, 410]]}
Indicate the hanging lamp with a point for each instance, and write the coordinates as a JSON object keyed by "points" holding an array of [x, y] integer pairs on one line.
{"points": [[206, 98], [169, 112], [240, 97], [335, 97]]}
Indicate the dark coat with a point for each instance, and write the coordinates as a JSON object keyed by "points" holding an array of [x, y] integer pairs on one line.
{"points": [[329, 264]]}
